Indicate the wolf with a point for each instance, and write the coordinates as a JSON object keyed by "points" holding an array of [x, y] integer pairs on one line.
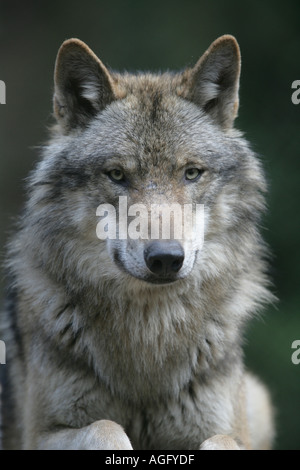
{"points": [[136, 342]]}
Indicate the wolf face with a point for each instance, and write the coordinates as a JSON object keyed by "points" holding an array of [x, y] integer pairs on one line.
{"points": [[159, 140]]}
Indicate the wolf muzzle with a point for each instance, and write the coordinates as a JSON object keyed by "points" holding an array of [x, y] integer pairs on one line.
{"points": [[164, 258]]}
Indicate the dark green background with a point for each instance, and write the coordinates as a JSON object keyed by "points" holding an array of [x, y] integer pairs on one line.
{"points": [[170, 34]]}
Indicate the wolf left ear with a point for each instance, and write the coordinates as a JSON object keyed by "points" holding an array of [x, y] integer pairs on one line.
{"points": [[83, 85], [213, 83]]}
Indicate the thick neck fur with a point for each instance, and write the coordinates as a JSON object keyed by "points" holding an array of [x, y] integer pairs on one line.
{"points": [[179, 331]]}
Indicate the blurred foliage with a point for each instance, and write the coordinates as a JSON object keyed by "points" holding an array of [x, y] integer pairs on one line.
{"points": [[160, 34]]}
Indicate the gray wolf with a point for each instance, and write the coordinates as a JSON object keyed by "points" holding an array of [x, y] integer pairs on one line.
{"points": [[132, 342]]}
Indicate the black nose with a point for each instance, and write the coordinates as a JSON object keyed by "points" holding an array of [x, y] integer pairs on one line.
{"points": [[164, 258]]}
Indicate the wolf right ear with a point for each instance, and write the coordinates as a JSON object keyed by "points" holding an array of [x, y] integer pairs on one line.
{"points": [[213, 83], [83, 85]]}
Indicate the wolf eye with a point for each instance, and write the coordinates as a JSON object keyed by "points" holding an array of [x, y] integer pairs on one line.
{"points": [[117, 175], [192, 174]]}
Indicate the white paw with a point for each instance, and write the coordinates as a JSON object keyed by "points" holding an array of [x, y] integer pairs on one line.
{"points": [[220, 442]]}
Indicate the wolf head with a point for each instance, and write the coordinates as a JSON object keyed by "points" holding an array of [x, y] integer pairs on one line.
{"points": [[151, 140]]}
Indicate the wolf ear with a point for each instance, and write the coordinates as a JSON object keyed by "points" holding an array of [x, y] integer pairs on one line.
{"points": [[214, 81], [83, 85]]}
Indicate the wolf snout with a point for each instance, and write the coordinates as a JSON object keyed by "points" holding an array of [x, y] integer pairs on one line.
{"points": [[164, 258]]}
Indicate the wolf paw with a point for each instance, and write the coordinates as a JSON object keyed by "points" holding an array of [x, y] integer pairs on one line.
{"points": [[107, 435], [220, 442]]}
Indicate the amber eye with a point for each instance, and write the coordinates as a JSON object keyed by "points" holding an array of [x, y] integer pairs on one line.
{"points": [[192, 174], [117, 175]]}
